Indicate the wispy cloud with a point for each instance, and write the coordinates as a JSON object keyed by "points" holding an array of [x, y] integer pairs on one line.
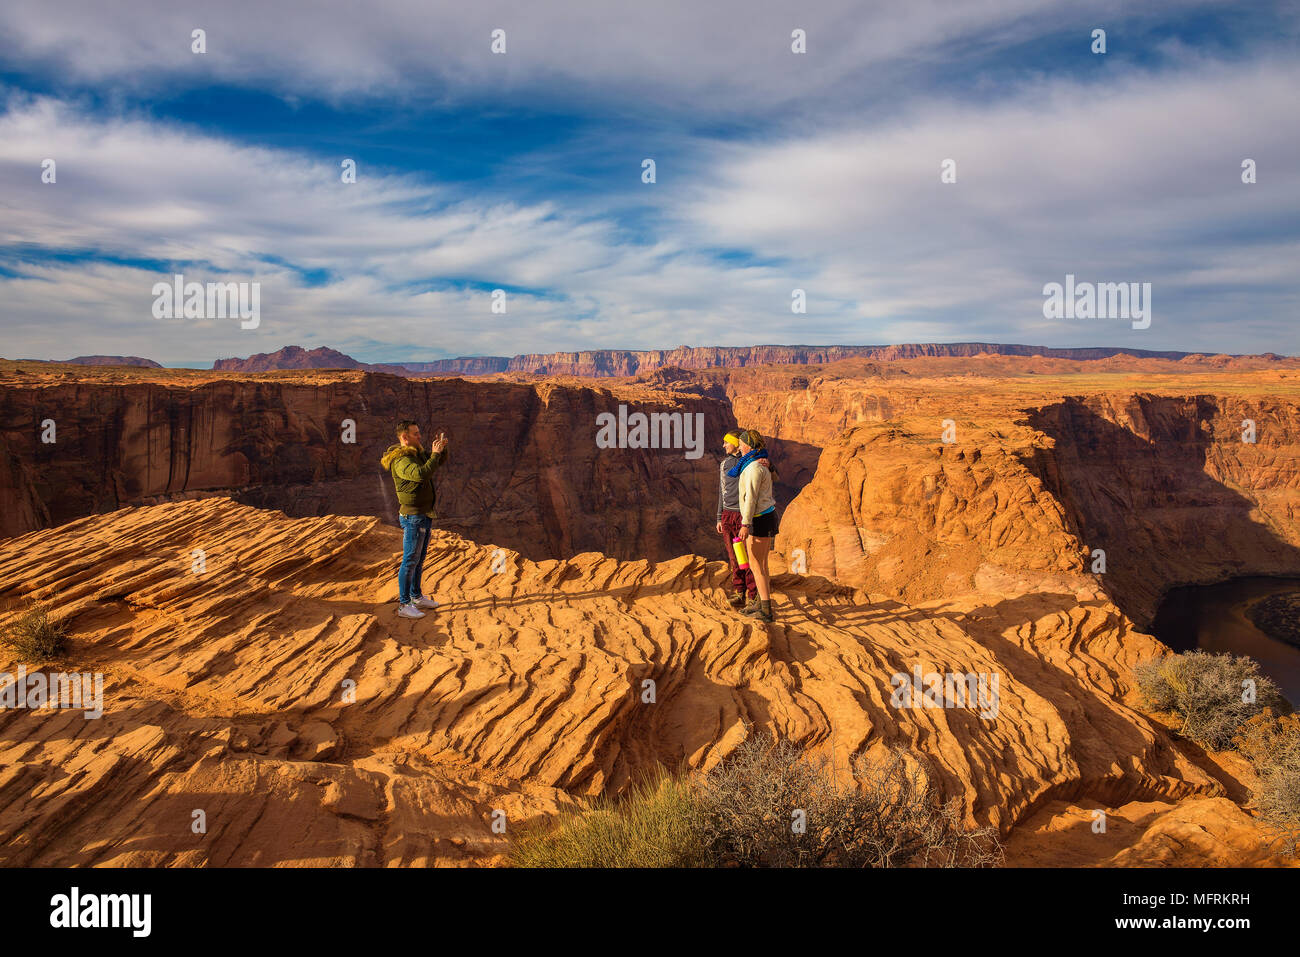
{"points": [[409, 264], [1137, 181], [711, 57]]}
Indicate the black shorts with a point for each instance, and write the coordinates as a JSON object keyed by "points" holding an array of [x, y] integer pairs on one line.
{"points": [[765, 526]]}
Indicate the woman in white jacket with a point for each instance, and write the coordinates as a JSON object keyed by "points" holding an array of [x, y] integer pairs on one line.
{"points": [[757, 516]]}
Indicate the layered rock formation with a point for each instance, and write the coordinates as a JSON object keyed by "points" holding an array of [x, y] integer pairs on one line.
{"points": [[525, 469], [271, 688], [1164, 486], [466, 365], [1177, 489]]}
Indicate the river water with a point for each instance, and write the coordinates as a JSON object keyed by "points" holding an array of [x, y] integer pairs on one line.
{"points": [[1213, 618]]}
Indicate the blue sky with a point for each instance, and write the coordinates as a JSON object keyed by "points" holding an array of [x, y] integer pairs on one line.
{"points": [[522, 172]]}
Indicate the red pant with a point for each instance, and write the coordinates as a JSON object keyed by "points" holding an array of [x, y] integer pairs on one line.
{"points": [[742, 579]]}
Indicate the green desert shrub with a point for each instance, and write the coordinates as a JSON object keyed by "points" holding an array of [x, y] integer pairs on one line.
{"points": [[649, 826], [1208, 691], [768, 804], [34, 635], [1272, 746]]}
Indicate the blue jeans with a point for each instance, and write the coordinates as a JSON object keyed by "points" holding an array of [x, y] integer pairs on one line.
{"points": [[415, 542]]}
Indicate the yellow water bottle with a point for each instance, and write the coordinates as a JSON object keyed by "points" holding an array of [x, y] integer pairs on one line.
{"points": [[738, 546]]}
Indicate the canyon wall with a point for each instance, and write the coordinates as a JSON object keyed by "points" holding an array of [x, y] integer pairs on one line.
{"points": [[1167, 487], [1163, 485], [903, 514], [524, 470], [1031, 483]]}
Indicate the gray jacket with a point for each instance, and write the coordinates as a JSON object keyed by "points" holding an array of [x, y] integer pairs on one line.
{"points": [[728, 487]]}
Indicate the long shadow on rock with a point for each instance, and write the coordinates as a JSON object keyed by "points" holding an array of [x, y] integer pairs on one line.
{"points": [[1149, 504], [1091, 717], [796, 464]]}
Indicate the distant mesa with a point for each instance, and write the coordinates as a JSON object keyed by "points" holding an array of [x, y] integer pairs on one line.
{"points": [[290, 357], [296, 357], [103, 361]]}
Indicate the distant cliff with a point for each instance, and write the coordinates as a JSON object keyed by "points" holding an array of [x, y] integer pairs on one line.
{"points": [[624, 362], [617, 362], [467, 365]]}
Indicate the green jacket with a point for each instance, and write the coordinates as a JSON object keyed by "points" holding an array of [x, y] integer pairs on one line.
{"points": [[412, 470]]}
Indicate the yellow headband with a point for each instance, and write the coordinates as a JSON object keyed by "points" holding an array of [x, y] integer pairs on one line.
{"points": [[731, 437]]}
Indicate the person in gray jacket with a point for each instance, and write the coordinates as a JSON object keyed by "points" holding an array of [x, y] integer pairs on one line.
{"points": [[742, 579]]}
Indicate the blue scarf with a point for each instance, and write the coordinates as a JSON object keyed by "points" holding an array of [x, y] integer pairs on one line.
{"points": [[750, 456]]}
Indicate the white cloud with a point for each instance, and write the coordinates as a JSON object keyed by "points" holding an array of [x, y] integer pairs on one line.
{"points": [[1137, 181], [133, 189]]}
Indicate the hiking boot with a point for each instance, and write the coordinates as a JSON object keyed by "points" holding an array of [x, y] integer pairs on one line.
{"points": [[409, 611], [737, 601], [762, 611], [752, 607]]}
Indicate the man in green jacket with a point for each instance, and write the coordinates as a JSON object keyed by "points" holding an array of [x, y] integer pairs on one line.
{"points": [[412, 470]]}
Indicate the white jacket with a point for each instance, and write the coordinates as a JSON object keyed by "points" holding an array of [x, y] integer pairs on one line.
{"points": [[755, 491]]}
